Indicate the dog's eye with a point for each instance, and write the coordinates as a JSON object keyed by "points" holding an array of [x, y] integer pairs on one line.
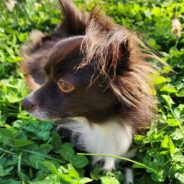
{"points": [[65, 86]]}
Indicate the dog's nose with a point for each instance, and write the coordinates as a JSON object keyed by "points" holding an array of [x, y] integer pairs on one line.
{"points": [[28, 105]]}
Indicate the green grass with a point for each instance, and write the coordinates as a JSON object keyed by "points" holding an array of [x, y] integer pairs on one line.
{"points": [[32, 152]]}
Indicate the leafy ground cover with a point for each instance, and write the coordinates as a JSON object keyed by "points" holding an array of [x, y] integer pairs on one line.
{"points": [[31, 151]]}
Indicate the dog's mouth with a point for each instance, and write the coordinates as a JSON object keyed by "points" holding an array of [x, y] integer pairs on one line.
{"points": [[44, 115], [63, 116]]}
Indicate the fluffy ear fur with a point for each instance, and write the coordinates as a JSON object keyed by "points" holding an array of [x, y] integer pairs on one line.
{"points": [[117, 60], [120, 56], [74, 22]]}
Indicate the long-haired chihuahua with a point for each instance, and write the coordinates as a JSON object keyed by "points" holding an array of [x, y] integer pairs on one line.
{"points": [[94, 75]]}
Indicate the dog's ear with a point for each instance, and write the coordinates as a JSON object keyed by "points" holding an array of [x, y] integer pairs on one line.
{"points": [[118, 57], [62, 49], [74, 22]]}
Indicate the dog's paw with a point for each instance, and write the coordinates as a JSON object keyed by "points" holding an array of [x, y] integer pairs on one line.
{"points": [[109, 164]]}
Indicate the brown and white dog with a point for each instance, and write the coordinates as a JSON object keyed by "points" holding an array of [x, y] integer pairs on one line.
{"points": [[94, 76]]}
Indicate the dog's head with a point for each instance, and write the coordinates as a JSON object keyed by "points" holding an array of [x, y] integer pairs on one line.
{"points": [[93, 68], [69, 90]]}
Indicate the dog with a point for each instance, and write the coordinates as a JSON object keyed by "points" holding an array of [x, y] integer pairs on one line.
{"points": [[94, 76]]}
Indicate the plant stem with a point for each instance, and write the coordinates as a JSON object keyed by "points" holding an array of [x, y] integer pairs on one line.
{"points": [[121, 158]]}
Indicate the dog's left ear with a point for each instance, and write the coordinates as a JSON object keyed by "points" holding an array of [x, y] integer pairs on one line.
{"points": [[118, 57], [74, 22]]}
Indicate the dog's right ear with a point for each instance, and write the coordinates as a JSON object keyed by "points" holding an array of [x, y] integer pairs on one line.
{"points": [[62, 49], [74, 22]]}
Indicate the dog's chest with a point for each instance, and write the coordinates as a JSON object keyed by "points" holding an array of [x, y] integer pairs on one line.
{"points": [[112, 137]]}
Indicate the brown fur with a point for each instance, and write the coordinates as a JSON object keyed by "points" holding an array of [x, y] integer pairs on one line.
{"points": [[117, 54]]}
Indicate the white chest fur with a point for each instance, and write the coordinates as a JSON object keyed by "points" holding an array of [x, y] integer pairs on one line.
{"points": [[112, 137]]}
